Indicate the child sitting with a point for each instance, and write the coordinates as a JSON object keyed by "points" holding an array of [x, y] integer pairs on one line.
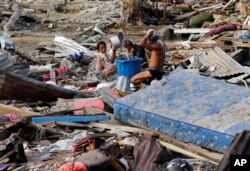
{"points": [[105, 61]]}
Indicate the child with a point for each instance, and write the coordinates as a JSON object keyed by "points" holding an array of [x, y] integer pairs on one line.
{"points": [[105, 62], [135, 50]]}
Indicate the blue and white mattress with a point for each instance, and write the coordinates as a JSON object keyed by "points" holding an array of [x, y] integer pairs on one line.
{"points": [[191, 108]]}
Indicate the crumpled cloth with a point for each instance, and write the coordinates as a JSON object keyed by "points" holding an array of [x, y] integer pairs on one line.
{"points": [[76, 166], [226, 27], [12, 117]]}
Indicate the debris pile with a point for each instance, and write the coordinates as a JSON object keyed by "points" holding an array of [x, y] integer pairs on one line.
{"points": [[58, 113]]}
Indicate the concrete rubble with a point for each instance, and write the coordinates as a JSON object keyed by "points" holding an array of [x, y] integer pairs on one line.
{"points": [[56, 114]]}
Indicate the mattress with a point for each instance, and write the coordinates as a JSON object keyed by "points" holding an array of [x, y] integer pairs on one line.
{"points": [[191, 108]]}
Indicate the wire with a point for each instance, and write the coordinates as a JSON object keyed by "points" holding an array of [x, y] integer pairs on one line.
{"points": [[244, 82]]}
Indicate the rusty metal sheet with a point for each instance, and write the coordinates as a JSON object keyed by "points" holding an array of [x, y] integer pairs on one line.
{"points": [[17, 87], [225, 65]]}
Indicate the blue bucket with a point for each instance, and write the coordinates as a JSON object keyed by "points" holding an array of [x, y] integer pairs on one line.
{"points": [[128, 67]]}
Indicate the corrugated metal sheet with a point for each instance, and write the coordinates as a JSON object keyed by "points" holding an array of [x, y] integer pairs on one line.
{"points": [[225, 65], [18, 87], [4, 61]]}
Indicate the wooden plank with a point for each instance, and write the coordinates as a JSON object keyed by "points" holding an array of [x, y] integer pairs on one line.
{"points": [[5, 109], [207, 154], [26, 56], [191, 31], [65, 111], [102, 135], [72, 124], [70, 118], [64, 124], [120, 127], [186, 15], [10, 25], [241, 44], [217, 6], [228, 4], [209, 44], [92, 110], [183, 151]]}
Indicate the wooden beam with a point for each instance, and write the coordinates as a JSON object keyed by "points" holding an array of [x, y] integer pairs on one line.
{"points": [[92, 110], [209, 44], [228, 4], [65, 111], [26, 56], [102, 135], [6, 109], [184, 152], [121, 128], [72, 124], [207, 154], [186, 15], [191, 31], [245, 44]]}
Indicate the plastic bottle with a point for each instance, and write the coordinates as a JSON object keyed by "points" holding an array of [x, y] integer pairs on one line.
{"points": [[53, 75]]}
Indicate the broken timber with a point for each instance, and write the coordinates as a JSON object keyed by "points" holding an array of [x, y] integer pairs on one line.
{"points": [[183, 151], [92, 110], [245, 44], [24, 129], [209, 155], [25, 56], [120, 128], [11, 23], [16, 87], [209, 44], [13, 110], [191, 31]]}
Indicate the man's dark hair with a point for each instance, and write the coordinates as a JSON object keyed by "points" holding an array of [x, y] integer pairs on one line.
{"points": [[127, 42], [99, 44], [154, 37]]}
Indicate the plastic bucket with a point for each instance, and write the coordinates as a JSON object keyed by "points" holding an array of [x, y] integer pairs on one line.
{"points": [[115, 41], [128, 67]]}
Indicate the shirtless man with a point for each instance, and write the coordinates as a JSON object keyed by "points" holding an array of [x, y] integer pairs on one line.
{"points": [[151, 42]]}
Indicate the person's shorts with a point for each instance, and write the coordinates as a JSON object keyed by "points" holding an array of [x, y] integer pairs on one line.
{"points": [[156, 73]]}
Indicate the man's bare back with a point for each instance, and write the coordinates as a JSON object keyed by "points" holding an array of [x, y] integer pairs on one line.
{"points": [[157, 56], [150, 41]]}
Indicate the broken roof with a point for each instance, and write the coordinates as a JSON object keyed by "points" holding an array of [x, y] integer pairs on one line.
{"points": [[225, 65]]}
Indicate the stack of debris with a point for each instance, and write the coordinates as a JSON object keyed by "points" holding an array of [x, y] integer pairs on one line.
{"points": [[55, 116]]}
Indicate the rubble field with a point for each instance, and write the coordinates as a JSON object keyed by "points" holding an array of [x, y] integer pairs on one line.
{"points": [[58, 114]]}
